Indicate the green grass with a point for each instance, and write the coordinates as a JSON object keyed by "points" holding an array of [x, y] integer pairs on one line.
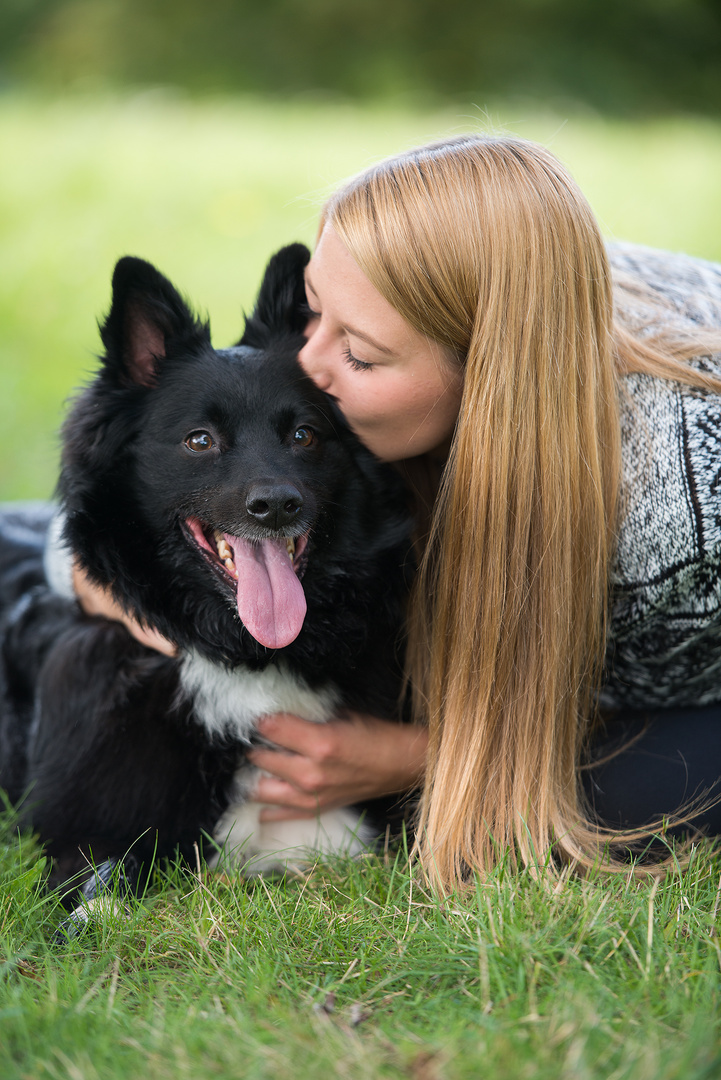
{"points": [[208, 189], [355, 972]]}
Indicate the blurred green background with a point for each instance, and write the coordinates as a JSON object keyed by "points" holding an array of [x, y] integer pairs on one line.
{"points": [[204, 136], [624, 56]]}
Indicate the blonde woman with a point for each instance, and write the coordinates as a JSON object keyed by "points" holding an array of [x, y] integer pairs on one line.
{"points": [[563, 446]]}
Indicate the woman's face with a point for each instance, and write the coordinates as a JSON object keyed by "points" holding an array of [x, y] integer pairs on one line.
{"points": [[399, 391]]}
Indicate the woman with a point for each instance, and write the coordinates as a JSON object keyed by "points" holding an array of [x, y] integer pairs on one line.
{"points": [[462, 316]]}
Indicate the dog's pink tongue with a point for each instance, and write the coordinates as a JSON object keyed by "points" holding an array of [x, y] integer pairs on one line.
{"points": [[271, 601]]}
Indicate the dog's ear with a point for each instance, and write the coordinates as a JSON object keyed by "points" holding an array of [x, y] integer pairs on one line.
{"points": [[281, 307], [146, 314]]}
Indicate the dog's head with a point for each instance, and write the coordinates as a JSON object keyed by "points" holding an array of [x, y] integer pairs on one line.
{"points": [[192, 474]]}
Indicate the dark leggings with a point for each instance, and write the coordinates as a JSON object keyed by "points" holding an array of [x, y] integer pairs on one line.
{"points": [[668, 758]]}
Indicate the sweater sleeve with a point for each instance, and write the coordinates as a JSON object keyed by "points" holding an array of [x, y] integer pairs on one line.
{"points": [[664, 645]]}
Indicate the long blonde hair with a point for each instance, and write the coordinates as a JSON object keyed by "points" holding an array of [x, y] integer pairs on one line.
{"points": [[486, 245]]}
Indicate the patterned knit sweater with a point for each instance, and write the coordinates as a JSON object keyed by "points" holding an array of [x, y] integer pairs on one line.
{"points": [[665, 635]]}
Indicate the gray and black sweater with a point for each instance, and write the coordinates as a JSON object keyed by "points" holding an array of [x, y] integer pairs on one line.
{"points": [[664, 645]]}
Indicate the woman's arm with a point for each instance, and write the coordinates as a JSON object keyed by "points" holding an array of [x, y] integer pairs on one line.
{"points": [[320, 766], [94, 600]]}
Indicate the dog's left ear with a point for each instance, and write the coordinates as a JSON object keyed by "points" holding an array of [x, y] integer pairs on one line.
{"points": [[281, 307], [147, 312]]}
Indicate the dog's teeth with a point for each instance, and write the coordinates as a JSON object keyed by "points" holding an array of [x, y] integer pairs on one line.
{"points": [[290, 547], [230, 565], [223, 550]]}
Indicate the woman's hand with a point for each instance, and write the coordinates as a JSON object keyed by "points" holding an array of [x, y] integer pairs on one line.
{"points": [[95, 600], [316, 767]]}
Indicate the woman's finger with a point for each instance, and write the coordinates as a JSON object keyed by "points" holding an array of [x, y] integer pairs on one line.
{"points": [[285, 813], [150, 638], [270, 789], [293, 768], [292, 733]]}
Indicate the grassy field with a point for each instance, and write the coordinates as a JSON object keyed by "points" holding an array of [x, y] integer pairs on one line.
{"points": [[353, 971], [207, 190]]}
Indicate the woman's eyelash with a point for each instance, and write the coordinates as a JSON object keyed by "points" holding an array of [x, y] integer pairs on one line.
{"points": [[355, 363], [307, 310]]}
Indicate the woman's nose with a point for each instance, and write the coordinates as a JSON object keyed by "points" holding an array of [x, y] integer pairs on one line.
{"points": [[311, 358]]}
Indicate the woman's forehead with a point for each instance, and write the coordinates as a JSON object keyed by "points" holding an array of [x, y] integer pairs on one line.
{"points": [[350, 299]]}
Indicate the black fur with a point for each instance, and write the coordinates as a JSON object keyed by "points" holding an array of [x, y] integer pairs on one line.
{"points": [[96, 741]]}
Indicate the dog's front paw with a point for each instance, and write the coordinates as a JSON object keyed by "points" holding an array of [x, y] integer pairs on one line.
{"points": [[88, 914], [275, 847], [101, 895]]}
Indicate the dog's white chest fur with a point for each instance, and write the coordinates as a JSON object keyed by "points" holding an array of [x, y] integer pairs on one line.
{"points": [[231, 703]]}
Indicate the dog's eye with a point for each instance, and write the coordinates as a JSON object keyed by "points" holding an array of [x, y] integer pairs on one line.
{"points": [[200, 441], [304, 436]]}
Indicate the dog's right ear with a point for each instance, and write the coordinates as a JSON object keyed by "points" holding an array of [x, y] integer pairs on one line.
{"points": [[146, 314], [281, 307]]}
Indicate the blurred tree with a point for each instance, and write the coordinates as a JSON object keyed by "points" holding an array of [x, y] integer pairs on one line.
{"points": [[17, 21], [622, 56]]}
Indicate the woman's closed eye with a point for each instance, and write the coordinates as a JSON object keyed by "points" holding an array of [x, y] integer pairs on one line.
{"points": [[355, 363]]}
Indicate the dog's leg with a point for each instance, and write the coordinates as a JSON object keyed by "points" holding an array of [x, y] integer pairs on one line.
{"points": [[109, 885], [115, 764], [273, 847]]}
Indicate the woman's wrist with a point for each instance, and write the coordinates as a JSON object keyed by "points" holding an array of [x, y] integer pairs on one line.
{"points": [[405, 748]]}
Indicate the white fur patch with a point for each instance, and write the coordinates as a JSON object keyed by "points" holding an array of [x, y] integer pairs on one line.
{"points": [[232, 702], [274, 846]]}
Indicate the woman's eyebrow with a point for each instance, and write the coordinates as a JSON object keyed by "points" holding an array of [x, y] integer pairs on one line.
{"points": [[368, 339]]}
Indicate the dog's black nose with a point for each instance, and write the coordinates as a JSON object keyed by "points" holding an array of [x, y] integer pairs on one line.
{"points": [[274, 505]]}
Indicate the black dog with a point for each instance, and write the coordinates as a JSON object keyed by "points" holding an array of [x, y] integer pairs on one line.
{"points": [[224, 500]]}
